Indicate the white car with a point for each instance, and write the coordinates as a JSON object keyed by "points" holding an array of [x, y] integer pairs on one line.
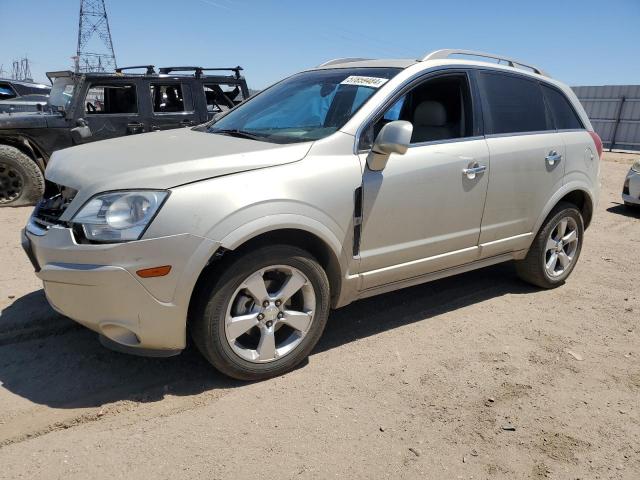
{"points": [[631, 189]]}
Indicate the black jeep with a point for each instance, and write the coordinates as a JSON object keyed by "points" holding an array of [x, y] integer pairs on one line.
{"points": [[95, 106]]}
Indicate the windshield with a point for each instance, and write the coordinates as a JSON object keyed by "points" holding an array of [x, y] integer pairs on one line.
{"points": [[305, 107], [61, 92]]}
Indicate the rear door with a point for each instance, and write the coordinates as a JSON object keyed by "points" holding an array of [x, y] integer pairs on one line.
{"points": [[172, 104], [111, 109], [526, 154], [577, 141]]}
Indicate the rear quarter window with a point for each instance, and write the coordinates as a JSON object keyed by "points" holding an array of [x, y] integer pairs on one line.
{"points": [[563, 113], [512, 104]]}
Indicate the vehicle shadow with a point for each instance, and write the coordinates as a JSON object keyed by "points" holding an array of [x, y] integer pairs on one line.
{"points": [[621, 209], [70, 369]]}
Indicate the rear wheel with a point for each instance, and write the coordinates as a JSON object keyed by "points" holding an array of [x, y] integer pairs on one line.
{"points": [[21, 181], [264, 314], [556, 248]]}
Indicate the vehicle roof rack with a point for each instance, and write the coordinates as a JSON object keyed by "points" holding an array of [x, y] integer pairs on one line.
{"points": [[336, 61], [447, 52], [198, 70], [150, 69]]}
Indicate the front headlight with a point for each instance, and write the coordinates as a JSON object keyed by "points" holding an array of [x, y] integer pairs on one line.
{"points": [[119, 216], [636, 166]]}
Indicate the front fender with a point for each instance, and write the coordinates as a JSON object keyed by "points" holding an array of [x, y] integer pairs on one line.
{"points": [[282, 221]]}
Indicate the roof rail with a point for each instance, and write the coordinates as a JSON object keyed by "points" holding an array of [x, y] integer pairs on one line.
{"points": [[447, 52], [198, 70], [150, 69], [336, 61]]}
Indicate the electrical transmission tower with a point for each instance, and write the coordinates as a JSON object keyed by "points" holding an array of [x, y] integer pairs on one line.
{"points": [[21, 70], [95, 48]]}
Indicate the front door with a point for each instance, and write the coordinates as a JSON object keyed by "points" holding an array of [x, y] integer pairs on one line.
{"points": [[111, 110], [422, 213]]}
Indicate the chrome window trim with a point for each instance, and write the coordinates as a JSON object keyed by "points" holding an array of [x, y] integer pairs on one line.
{"points": [[448, 140]]}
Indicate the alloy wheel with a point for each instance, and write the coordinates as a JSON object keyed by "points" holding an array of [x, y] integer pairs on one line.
{"points": [[270, 313], [561, 247]]}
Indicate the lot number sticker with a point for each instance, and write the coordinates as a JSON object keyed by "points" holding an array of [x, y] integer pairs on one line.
{"points": [[372, 82]]}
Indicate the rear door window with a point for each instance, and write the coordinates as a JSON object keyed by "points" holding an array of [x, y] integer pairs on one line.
{"points": [[169, 98], [512, 104], [564, 115], [222, 97]]}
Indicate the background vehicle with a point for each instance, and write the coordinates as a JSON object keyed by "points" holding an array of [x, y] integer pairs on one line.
{"points": [[350, 180], [631, 187], [17, 96], [95, 106]]}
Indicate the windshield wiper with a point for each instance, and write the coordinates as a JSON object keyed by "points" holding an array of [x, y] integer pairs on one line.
{"points": [[239, 134]]}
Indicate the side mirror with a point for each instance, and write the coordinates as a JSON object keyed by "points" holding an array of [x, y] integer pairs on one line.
{"points": [[394, 137], [81, 132]]}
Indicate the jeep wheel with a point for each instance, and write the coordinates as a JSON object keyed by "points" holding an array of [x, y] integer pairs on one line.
{"points": [[556, 248], [263, 314], [21, 181]]}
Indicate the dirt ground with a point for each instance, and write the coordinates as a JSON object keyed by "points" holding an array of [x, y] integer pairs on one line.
{"points": [[475, 376]]}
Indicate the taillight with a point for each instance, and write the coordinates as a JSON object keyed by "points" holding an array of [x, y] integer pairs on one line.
{"points": [[598, 142]]}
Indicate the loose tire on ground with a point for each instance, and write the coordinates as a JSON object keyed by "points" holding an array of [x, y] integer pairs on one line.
{"points": [[534, 267], [21, 181], [209, 325]]}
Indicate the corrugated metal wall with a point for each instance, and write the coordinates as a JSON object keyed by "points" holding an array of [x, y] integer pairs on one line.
{"points": [[614, 110]]}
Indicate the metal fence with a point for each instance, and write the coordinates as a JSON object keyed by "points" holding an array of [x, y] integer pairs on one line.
{"points": [[614, 111]]}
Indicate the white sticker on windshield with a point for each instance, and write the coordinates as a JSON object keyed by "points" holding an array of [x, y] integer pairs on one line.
{"points": [[372, 82]]}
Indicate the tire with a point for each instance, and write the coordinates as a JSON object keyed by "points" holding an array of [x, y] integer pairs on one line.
{"points": [[21, 181], [210, 324], [534, 267]]}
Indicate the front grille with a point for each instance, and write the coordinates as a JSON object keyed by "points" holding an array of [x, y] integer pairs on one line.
{"points": [[54, 202]]}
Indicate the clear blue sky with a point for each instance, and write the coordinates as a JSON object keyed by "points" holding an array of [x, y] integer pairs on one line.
{"points": [[582, 42]]}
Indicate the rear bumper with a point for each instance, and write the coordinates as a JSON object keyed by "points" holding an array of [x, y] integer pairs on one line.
{"points": [[97, 285], [631, 188]]}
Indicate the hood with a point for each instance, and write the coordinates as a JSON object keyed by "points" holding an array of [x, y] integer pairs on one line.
{"points": [[161, 160], [22, 120]]}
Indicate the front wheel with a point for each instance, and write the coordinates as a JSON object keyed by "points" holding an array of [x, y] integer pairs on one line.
{"points": [[21, 181], [264, 313], [556, 248]]}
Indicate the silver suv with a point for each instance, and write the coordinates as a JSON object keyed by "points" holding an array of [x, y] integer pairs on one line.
{"points": [[351, 179]]}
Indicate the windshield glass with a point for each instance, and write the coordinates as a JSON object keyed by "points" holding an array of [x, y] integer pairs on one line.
{"points": [[61, 92], [305, 107]]}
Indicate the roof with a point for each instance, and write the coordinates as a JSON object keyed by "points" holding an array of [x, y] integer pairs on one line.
{"points": [[164, 72], [437, 56], [367, 63], [25, 83]]}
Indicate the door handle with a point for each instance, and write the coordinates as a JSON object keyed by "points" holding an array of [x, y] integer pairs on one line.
{"points": [[553, 158], [473, 169], [135, 127]]}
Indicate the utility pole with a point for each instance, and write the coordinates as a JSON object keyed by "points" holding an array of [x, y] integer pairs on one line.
{"points": [[95, 48]]}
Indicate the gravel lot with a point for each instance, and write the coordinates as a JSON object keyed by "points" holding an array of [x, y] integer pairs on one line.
{"points": [[475, 376]]}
